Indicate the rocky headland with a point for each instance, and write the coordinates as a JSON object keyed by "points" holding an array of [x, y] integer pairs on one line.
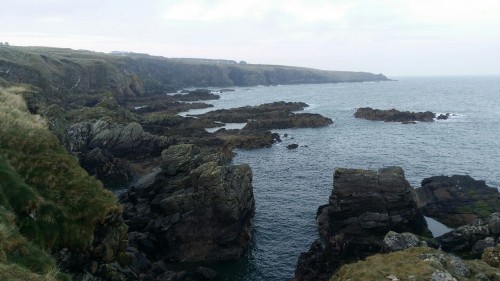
{"points": [[394, 115], [363, 207]]}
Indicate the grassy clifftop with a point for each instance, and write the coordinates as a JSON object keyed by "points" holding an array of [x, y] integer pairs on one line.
{"points": [[47, 201], [60, 72]]}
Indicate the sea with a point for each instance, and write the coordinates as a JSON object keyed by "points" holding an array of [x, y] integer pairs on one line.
{"points": [[290, 185]]}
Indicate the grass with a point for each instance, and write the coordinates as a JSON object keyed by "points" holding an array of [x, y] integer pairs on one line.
{"points": [[411, 264], [47, 201]]}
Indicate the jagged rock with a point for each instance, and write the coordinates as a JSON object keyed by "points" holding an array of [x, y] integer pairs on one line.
{"points": [[107, 149], [457, 200], [394, 241], [193, 190], [363, 207], [393, 115], [470, 240]]}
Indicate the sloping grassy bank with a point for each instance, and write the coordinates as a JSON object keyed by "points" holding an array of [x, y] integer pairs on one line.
{"points": [[47, 201]]}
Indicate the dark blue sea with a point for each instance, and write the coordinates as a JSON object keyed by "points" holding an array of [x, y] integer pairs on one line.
{"points": [[289, 185]]}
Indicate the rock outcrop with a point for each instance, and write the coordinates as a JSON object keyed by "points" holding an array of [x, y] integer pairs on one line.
{"points": [[277, 115], [393, 115], [106, 149], [457, 200], [471, 240], [194, 208], [363, 207]]}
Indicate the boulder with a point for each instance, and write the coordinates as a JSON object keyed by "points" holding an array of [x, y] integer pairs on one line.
{"points": [[194, 208], [394, 241], [363, 207], [457, 200], [292, 146]]}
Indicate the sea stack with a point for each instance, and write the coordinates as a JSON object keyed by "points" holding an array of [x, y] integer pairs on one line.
{"points": [[363, 207]]}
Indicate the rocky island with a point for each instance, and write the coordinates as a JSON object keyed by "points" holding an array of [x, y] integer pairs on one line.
{"points": [[393, 115]]}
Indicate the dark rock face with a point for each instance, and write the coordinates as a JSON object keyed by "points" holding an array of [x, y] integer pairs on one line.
{"points": [[471, 240], [393, 115], [363, 207], [457, 200], [105, 149], [192, 190]]}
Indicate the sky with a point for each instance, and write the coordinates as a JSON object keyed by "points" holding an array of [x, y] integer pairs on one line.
{"points": [[393, 37]]}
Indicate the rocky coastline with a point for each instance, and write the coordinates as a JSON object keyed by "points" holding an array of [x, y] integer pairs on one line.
{"points": [[374, 213], [183, 200]]}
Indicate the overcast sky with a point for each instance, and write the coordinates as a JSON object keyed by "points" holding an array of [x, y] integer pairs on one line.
{"points": [[394, 37]]}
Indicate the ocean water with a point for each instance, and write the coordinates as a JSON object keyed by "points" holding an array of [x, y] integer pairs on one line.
{"points": [[289, 185]]}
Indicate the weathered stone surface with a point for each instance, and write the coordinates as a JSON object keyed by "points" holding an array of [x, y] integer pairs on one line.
{"points": [[394, 241], [457, 200], [363, 207], [192, 190], [471, 240], [106, 149], [393, 115]]}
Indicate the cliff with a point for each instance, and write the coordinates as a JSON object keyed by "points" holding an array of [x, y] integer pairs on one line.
{"points": [[363, 207], [60, 72]]}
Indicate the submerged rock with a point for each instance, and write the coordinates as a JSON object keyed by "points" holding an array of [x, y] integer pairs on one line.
{"points": [[194, 208], [457, 200], [363, 207]]}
